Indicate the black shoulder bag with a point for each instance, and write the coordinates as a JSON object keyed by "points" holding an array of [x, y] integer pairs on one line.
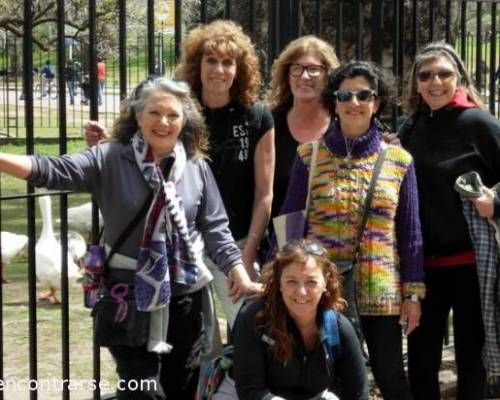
{"points": [[116, 318], [348, 268]]}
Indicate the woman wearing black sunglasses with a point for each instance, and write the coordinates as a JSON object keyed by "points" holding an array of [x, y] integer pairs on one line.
{"points": [[281, 345], [389, 281], [448, 135]]}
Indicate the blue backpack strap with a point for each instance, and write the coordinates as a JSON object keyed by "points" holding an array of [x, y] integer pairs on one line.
{"points": [[331, 327]]}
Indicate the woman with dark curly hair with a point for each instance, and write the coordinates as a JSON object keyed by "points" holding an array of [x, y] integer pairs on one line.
{"points": [[389, 273], [219, 62], [281, 351], [154, 163]]}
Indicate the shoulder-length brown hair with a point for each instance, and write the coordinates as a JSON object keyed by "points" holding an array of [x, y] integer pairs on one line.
{"points": [[194, 134], [306, 45], [224, 38], [432, 52], [273, 317]]}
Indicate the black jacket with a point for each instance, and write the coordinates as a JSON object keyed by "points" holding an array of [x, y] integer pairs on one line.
{"points": [[258, 373], [444, 144]]}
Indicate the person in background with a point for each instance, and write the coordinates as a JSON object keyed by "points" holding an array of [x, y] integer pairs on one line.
{"points": [[297, 79], [449, 134], [101, 76], [159, 146], [48, 73], [85, 86], [71, 77], [389, 276], [280, 345]]}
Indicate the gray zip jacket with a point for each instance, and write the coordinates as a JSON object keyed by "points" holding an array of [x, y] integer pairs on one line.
{"points": [[109, 172]]}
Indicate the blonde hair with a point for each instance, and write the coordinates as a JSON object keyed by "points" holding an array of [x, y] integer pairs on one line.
{"points": [[223, 38], [432, 52], [306, 45]]}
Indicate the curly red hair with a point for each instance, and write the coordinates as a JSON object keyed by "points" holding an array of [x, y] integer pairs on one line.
{"points": [[223, 38], [273, 317]]}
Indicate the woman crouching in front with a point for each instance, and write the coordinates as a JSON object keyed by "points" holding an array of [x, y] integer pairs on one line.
{"points": [[281, 346]]}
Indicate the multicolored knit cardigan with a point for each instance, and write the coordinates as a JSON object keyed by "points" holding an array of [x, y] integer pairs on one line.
{"points": [[339, 186]]}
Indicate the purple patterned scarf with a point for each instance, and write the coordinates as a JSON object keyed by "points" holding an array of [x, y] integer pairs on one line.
{"points": [[166, 252]]}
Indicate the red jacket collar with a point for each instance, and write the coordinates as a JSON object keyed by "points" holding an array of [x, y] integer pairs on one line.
{"points": [[460, 100]]}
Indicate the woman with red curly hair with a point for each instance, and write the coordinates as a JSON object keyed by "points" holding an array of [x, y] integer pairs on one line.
{"points": [[220, 64], [280, 343]]}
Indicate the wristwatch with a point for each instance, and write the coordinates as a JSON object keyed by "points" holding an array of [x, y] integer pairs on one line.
{"points": [[412, 297]]}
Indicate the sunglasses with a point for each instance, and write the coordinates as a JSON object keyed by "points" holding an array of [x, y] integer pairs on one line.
{"points": [[311, 247], [443, 75], [363, 95], [297, 70]]}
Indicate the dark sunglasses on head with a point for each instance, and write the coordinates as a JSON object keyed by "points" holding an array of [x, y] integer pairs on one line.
{"points": [[311, 247], [424, 76], [363, 95]]}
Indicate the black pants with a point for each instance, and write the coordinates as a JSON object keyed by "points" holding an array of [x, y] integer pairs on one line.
{"points": [[457, 288], [384, 342], [174, 375]]}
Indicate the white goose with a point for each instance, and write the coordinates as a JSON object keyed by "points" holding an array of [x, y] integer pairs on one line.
{"points": [[80, 218], [12, 244], [48, 255]]}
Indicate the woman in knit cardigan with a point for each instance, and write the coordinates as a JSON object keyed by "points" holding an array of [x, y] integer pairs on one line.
{"points": [[389, 280]]}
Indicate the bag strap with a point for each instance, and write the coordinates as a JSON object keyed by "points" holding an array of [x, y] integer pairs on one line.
{"points": [[127, 231], [331, 327], [314, 158], [369, 196]]}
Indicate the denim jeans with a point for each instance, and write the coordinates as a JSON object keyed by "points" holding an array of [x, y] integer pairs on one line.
{"points": [[71, 90], [173, 375]]}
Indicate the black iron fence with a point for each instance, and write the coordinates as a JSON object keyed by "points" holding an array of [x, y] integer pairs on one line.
{"points": [[389, 32]]}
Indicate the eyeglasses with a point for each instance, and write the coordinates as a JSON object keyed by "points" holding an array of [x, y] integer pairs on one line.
{"points": [[443, 75], [363, 95], [311, 247], [314, 71]]}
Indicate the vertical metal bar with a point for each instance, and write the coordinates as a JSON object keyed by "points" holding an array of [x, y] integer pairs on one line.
{"points": [[151, 37], [178, 29], [376, 45], [432, 19], [63, 205], [493, 58], [273, 29], [395, 52], [122, 27], [463, 30], [416, 27], [319, 21], [359, 32], [479, 52], [228, 12], [94, 112], [401, 46], [447, 24], [338, 36], [296, 27], [203, 11], [28, 100], [253, 20]]}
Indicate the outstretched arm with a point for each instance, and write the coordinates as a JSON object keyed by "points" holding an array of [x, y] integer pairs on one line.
{"points": [[17, 165]]}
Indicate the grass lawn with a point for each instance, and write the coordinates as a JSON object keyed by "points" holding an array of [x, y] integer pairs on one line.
{"points": [[49, 351]]}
